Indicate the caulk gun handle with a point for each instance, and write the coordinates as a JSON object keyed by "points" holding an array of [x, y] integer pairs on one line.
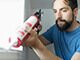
{"points": [[38, 29]]}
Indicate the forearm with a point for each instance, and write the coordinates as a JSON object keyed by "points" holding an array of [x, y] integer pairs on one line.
{"points": [[44, 53], [44, 40]]}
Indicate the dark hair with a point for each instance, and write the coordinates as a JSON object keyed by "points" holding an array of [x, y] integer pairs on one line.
{"points": [[72, 3]]}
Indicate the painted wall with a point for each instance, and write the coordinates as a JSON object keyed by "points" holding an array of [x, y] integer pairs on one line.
{"points": [[78, 16]]}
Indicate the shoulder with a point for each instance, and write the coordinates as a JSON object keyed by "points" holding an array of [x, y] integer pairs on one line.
{"points": [[54, 30], [54, 27]]}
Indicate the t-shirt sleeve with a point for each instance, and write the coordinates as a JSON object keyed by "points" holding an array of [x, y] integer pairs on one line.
{"points": [[78, 46], [78, 49], [48, 34]]}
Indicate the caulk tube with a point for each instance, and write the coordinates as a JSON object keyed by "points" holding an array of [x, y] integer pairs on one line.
{"points": [[30, 23], [20, 34], [12, 40]]}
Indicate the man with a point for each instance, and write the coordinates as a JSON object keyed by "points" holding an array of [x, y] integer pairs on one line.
{"points": [[65, 34]]}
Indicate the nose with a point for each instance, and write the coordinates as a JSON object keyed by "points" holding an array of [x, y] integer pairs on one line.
{"points": [[58, 15]]}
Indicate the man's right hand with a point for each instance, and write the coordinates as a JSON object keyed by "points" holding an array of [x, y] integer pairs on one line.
{"points": [[33, 37]]}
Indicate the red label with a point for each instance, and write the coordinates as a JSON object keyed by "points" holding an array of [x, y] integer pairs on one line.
{"points": [[21, 32], [9, 40], [29, 24]]}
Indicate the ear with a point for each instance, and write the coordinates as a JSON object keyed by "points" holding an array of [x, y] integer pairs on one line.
{"points": [[75, 11]]}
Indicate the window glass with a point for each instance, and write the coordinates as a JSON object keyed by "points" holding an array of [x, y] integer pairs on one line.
{"points": [[11, 17]]}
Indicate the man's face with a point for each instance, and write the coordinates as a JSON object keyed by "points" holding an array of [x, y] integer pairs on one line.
{"points": [[63, 15]]}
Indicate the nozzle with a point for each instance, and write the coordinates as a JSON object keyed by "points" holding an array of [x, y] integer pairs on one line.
{"points": [[38, 14]]}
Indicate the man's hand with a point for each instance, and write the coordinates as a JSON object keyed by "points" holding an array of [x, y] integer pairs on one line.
{"points": [[33, 37]]}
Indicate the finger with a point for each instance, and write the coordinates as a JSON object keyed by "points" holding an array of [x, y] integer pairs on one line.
{"points": [[28, 29], [36, 29], [32, 32]]}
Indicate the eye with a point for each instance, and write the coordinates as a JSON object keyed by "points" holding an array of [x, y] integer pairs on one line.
{"points": [[64, 10], [55, 11]]}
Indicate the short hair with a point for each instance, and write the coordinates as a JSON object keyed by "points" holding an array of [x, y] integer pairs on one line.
{"points": [[72, 3]]}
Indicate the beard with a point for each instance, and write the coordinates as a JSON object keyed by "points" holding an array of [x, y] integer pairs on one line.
{"points": [[66, 25]]}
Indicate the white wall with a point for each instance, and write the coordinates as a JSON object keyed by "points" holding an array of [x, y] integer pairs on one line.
{"points": [[78, 16], [27, 7]]}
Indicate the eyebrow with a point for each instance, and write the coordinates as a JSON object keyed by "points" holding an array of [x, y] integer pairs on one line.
{"points": [[63, 8]]}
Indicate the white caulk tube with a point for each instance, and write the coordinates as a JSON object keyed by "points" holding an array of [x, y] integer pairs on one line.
{"points": [[19, 36]]}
